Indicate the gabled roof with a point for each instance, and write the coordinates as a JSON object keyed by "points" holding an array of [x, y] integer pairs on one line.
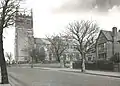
{"points": [[41, 41], [45, 41], [38, 41], [107, 34]]}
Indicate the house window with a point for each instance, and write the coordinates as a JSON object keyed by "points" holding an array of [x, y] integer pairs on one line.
{"points": [[93, 58], [89, 59], [102, 47], [102, 56]]}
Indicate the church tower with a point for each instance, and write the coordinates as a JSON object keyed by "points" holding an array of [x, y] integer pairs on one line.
{"points": [[24, 40]]}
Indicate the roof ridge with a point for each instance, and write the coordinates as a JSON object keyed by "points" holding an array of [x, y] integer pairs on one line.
{"points": [[107, 34], [106, 30]]}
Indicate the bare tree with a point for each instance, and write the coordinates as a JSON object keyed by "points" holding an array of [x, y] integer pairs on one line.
{"points": [[9, 56], [84, 34], [7, 13], [58, 45], [41, 54], [32, 54], [37, 55]]}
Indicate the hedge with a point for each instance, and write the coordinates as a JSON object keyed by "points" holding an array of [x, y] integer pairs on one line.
{"points": [[107, 66]]}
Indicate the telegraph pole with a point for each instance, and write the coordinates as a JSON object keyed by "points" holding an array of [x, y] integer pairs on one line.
{"points": [[31, 41], [16, 39]]}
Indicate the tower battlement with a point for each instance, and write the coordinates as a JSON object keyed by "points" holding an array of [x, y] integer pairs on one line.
{"points": [[24, 15]]}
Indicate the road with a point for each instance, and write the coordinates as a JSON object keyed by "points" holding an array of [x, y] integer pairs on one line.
{"points": [[40, 77]]}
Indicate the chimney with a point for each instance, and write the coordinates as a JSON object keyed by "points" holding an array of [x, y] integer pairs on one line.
{"points": [[114, 31]]}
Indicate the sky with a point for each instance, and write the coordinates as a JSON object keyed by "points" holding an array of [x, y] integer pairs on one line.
{"points": [[53, 16]]}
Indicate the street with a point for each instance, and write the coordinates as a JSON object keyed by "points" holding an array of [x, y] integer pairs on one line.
{"points": [[40, 77]]}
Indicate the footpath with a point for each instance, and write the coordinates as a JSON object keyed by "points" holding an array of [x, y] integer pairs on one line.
{"points": [[92, 72]]}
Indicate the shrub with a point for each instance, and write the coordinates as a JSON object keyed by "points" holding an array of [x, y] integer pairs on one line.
{"points": [[115, 58]]}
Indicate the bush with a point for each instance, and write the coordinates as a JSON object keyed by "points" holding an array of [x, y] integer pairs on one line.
{"points": [[115, 58]]}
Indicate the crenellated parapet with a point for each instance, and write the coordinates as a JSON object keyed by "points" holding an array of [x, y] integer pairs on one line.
{"points": [[23, 15], [24, 19]]}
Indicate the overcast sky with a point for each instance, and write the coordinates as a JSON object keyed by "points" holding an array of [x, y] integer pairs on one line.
{"points": [[52, 16]]}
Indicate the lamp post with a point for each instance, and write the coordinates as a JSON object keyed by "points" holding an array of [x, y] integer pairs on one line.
{"points": [[31, 59], [32, 62]]}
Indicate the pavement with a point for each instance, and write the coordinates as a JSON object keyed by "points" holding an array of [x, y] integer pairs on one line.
{"points": [[3, 84], [92, 72]]}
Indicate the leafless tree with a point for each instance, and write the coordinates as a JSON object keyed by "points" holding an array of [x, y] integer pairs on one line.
{"points": [[38, 55], [9, 56], [84, 34], [32, 54], [7, 13], [58, 45]]}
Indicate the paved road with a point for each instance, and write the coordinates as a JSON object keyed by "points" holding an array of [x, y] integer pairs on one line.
{"points": [[39, 77]]}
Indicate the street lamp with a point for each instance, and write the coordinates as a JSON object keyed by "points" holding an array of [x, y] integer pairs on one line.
{"points": [[32, 63], [32, 52]]}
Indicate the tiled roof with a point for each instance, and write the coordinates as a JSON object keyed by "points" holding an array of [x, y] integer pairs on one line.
{"points": [[45, 41], [41, 41], [108, 34], [38, 40]]}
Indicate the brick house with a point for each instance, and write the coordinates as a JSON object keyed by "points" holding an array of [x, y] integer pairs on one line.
{"points": [[107, 44]]}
